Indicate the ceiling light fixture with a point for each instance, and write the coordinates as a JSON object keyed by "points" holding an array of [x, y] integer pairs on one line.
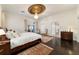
{"points": [[36, 9]]}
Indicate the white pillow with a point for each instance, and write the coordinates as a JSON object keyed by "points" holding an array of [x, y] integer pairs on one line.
{"points": [[15, 34], [9, 35]]}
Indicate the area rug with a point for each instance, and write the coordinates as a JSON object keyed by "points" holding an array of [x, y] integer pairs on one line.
{"points": [[46, 39], [39, 49]]}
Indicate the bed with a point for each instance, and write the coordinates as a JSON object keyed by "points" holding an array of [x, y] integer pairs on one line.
{"points": [[25, 40]]}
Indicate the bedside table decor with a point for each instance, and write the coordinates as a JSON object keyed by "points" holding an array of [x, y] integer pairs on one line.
{"points": [[2, 33]]}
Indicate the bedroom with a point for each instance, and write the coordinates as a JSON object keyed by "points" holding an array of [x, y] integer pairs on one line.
{"points": [[50, 23]]}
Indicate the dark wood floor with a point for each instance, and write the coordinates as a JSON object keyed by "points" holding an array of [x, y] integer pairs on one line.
{"points": [[63, 47]]}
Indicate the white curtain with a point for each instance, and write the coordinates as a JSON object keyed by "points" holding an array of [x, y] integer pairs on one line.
{"points": [[3, 20], [0, 14]]}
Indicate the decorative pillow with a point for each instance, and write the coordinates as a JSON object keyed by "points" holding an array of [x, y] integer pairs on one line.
{"points": [[15, 34], [9, 35]]}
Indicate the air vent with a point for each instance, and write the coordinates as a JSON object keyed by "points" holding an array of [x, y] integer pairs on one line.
{"points": [[22, 13]]}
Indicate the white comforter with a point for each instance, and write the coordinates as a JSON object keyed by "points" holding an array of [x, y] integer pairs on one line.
{"points": [[24, 38]]}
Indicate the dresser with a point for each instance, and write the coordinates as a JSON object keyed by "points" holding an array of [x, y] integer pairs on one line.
{"points": [[4, 46], [67, 36]]}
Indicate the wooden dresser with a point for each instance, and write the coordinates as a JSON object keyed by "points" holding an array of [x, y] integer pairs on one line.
{"points": [[4, 46], [67, 36]]}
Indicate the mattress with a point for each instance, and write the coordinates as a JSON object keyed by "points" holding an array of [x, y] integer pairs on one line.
{"points": [[24, 38]]}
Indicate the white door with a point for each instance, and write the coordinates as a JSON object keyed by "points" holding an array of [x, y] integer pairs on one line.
{"points": [[53, 29]]}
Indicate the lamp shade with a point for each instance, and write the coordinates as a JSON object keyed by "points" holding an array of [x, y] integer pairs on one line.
{"points": [[2, 32]]}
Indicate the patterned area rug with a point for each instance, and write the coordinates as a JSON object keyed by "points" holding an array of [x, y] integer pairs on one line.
{"points": [[39, 49], [46, 39]]}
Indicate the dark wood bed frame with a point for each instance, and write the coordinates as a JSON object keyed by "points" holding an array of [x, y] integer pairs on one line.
{"points": [[25, 46]]}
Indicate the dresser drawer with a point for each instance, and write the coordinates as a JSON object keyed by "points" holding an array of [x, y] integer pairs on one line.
{"points": [[1, 49], [67, 36], [5, 49], [4, 45]]}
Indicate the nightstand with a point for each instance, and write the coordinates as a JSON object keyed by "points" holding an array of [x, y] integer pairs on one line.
{"points": [[4, 47]]}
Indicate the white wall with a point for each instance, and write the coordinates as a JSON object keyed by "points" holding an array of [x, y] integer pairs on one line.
{"points": [[78, 21], [66, 19], [15, 22]]}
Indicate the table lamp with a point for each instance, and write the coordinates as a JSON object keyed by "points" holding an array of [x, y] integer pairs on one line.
{"points": [[2, 32]]}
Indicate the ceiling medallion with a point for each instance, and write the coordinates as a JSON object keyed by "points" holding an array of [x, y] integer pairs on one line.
{"points": [[36, 8]]}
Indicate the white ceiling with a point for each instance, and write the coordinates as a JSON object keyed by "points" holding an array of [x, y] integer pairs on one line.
{"points": [[50, 9]]}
